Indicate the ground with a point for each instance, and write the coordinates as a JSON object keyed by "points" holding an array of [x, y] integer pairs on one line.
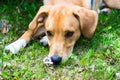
{"points": [[97, 58]]}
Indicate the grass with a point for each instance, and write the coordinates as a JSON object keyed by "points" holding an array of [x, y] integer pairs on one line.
{"points": [[97, 58]]}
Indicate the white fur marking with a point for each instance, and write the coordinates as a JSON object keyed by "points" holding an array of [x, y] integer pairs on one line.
{"points": [[16, 46], [44, 40], [107, 10]]}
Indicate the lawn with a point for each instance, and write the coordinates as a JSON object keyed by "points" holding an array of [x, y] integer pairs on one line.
{"points": [[97, 58]]}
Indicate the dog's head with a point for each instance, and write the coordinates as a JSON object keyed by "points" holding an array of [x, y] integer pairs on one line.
{"points": [[63, 27]]}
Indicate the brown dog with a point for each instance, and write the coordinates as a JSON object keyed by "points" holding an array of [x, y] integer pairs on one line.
{"points": [[63, 21]]}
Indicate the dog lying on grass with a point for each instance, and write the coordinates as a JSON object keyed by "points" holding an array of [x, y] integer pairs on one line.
{"points": [[63, 22]]}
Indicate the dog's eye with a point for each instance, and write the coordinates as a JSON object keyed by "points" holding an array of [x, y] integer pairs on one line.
{"points": [[49, 34], [69, 34]]}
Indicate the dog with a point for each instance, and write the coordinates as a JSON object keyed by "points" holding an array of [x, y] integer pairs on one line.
{"points": [[63, 22]]}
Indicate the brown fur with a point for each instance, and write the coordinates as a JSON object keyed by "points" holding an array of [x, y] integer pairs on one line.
{"points": [[61, 16]]}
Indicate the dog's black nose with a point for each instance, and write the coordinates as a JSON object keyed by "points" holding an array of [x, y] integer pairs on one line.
{"points": [[56, 60]]}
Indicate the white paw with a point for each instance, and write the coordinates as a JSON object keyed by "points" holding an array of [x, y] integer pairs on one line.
{"points": [[16, 46], [105, 10], [44, 41]]}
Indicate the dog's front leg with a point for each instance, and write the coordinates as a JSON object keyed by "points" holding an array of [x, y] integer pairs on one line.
{"points": [[38, 21], [20, 43]]}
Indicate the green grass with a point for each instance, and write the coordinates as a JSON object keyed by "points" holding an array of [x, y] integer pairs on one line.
{"points": [[97, 58]]}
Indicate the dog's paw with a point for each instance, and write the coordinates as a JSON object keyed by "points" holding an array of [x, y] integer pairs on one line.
{"points": [[44, 41], [15, 46], [105, 10]]}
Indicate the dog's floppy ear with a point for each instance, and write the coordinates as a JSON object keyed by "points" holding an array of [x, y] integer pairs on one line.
{"points": [[37, 24], [88, 20]]}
